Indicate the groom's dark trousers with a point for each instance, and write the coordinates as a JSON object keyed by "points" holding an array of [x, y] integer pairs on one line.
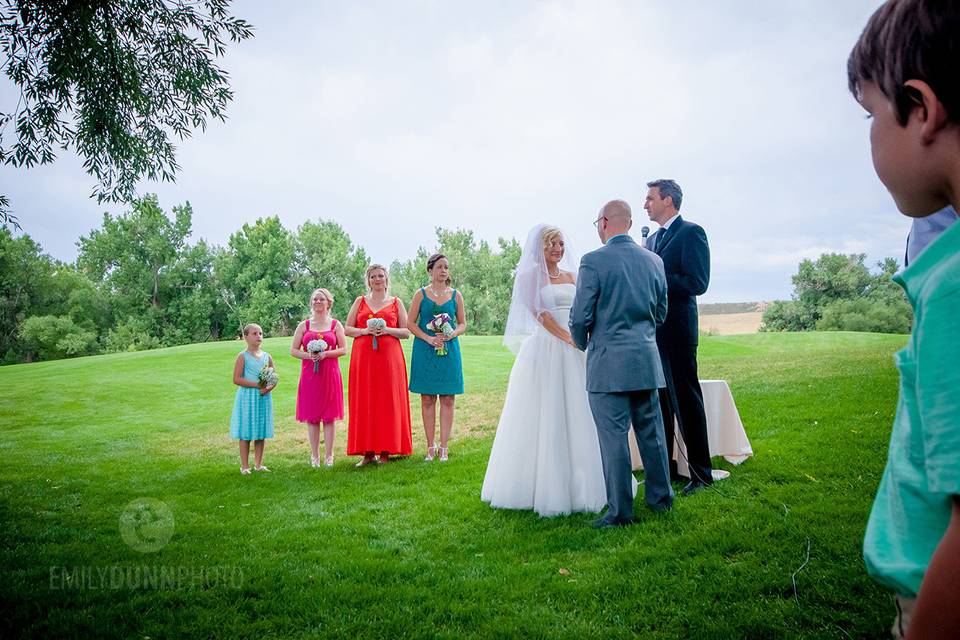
{"points": [[613, 413]]}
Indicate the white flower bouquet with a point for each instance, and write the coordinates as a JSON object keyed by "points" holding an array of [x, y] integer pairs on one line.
{"points": [[268, 377], [316, 346], [376, 323]]}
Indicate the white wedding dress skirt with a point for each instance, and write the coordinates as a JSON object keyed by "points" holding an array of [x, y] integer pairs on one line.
{"points": [[546, 454]]}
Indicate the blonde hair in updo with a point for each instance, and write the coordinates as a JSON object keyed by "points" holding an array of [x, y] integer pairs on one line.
{"points": [[547, 234], [373, 267]]}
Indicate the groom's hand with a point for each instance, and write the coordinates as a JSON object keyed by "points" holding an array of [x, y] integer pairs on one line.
{"points": [[573, 343]]}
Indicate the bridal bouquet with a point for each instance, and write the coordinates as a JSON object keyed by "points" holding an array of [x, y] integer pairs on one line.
{"points": [[268, 377], [376, 323], [441, 324], [316, 346]]}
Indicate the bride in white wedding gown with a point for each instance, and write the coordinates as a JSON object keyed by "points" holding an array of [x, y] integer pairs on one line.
{"points": [[546, 454]]}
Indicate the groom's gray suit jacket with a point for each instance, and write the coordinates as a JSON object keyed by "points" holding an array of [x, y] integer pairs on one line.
{"points": [[621, 298]]}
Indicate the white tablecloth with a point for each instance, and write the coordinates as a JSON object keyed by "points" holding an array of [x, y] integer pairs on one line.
{"points": [[724, 430]]}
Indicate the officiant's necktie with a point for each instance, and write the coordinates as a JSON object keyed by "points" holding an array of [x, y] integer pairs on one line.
{"points": [[658, 238]]}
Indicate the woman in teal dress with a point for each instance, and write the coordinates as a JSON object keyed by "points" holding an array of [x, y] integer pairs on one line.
{"points": [[433, 375]]}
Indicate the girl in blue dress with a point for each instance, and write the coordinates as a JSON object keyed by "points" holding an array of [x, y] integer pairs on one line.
{"points": [[433, 375], [252, 417]]}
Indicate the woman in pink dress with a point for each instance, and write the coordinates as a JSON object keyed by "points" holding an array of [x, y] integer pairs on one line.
{"points": [[320, 394]]}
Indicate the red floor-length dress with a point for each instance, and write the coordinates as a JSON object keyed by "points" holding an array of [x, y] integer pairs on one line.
{"points": [[378, 397]]}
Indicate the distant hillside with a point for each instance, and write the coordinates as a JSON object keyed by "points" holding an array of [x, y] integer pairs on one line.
{"points": [[723, 308]]}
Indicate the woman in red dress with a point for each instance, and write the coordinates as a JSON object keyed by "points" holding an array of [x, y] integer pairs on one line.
{"points": [[378, 398]]}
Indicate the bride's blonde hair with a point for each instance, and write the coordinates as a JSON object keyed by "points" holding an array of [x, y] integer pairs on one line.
{"points": [[547, 234]]}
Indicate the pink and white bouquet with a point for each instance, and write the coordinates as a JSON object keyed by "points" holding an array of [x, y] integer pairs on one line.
{"points": [[376, 323], [317, 346], [441, 324]]}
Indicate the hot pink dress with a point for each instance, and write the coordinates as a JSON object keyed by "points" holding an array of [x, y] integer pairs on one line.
{"points": [[320, 394]]}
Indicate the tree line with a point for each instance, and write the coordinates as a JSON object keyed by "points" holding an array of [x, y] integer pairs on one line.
{"points": [[839, 293], [139, 283]]}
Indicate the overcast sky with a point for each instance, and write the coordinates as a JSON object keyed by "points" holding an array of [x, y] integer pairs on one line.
{"points": [[395, 117]]}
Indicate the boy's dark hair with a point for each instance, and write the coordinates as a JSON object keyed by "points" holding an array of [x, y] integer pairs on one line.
{"points": [[910, 40]]}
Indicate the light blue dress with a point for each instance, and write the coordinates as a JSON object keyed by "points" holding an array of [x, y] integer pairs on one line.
{"points": [[252, 417], [431, 374]]}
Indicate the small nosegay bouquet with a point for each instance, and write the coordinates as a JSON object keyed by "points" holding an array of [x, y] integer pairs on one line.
{"points": [[316, 346], [268, 377], [376, 323], [441, 324]]}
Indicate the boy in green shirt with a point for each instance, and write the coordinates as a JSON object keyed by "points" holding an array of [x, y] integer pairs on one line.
{"points": [[905, 71]]}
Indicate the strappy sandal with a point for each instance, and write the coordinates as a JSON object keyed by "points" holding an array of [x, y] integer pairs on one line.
{"points": [[431, 453], [443, 454]]}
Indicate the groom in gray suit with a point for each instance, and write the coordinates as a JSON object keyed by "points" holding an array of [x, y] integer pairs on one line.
{"points": [[621, 298]]}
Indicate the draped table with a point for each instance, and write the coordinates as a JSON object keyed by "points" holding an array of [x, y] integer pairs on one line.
{"points": [[724, 431]]}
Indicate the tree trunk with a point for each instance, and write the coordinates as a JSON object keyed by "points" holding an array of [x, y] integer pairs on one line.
{"points": [[156, 285]]}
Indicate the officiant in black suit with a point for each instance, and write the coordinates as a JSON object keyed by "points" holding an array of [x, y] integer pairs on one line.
{"points": [[682, 246]]}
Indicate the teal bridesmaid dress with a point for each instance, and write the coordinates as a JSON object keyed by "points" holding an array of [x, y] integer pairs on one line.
{"points": [[431, 374], [252, 417]]}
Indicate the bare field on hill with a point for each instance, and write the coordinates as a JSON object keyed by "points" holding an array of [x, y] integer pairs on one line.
{"points": [[728, 324]]}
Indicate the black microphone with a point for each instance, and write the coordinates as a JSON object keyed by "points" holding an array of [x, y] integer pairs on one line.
{"points": [[644, 232]]}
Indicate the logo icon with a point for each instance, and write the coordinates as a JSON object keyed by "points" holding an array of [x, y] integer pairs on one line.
{"points": [[146, 525]]}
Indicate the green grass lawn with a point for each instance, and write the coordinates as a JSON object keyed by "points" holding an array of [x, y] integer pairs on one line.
{"points": [[408, 549]]}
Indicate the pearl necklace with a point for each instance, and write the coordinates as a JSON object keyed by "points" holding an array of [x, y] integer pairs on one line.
{"points": [[554, 277]]}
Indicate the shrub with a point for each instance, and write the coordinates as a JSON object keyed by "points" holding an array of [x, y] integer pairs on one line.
{"points": [[54, 337], [132, 334], [866, 314], [787, 315]]}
